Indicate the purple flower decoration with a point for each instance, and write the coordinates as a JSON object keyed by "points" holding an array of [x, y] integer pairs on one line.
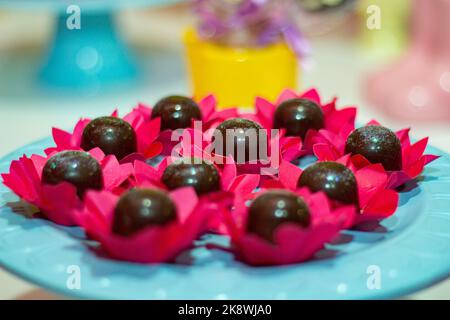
{"points": [[258, 22]]}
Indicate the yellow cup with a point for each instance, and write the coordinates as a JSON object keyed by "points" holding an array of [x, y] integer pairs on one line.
{"points": [[237, 75]]}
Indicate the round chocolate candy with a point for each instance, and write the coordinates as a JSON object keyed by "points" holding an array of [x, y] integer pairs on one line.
{"points": [[239, 138], [141, 208], [297, 116], [176, 112], [75, 167], [378, 145], [333, 178], [273, 208], [196, 173], [112, 135]]}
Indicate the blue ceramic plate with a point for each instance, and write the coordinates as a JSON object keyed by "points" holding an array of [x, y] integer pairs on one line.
{"points": [[403, 254]]}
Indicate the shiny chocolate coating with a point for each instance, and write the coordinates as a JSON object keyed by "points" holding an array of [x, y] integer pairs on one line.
{"points": [[333, 178], [297, 116], [138, 209], [196, 173], [112, 135], [378, 145], [245, 143], [176, 112], [76, 167], [273, 208]]}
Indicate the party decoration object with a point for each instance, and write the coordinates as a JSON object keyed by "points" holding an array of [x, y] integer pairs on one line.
{"points": [[333, 178], [76, 167], [176, 112], [140, 208], [201, 175], [292, 242], [244, 48], [417, 86], [153, 243], [299, 122], [375, 201], [150, 197], [124, 137], [332, 146], [232, 184], [112, 135], [59, 202]]}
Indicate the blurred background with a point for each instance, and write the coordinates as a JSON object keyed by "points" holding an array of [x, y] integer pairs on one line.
{"points": [[389, 58]]}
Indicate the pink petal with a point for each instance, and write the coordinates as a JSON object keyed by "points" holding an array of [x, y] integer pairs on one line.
{"points": [[415, 169], [403, 136], [370, 180], [39, 163], [414, 152], [97, 154], [131, 158], [311, 94], [325, 152], [115, 113], [245, 184], [286, 95], [397, 178], [147, 133], [289, 175], [102, 205], [359, 161], [23, 179], [265, 111], [114, 174], [78, 132], [373, 123], [60, 203], [430, 158], [185, 200], [382, 205], [337, 119], [229, 173], [144, 172], [208, 106], [62, 138]]}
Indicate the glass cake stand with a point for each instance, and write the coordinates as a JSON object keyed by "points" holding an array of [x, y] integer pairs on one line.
{"points": [[91, 55]]}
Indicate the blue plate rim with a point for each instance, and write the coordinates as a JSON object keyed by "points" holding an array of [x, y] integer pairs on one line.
{"points": [[399, 291]]}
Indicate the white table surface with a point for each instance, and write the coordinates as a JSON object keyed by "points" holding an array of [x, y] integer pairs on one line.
{"points": [[27, 113]]}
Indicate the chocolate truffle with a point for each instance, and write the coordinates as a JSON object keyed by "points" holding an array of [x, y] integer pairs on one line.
{"points": [[176, 112], [75, 167], [112, 135], [378, 145], [333, 178], [273, 208], [246, 138], [297, 116], [141, 208], [196, 173]]}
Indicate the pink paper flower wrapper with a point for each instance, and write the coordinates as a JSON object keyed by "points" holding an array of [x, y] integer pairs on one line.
{"points": [[153, 244], [331, 146], [279, 148], [333, 119], [376, 200], [211, 118], [292, 243], [233, 186], [147, 132], [60, 202]]}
